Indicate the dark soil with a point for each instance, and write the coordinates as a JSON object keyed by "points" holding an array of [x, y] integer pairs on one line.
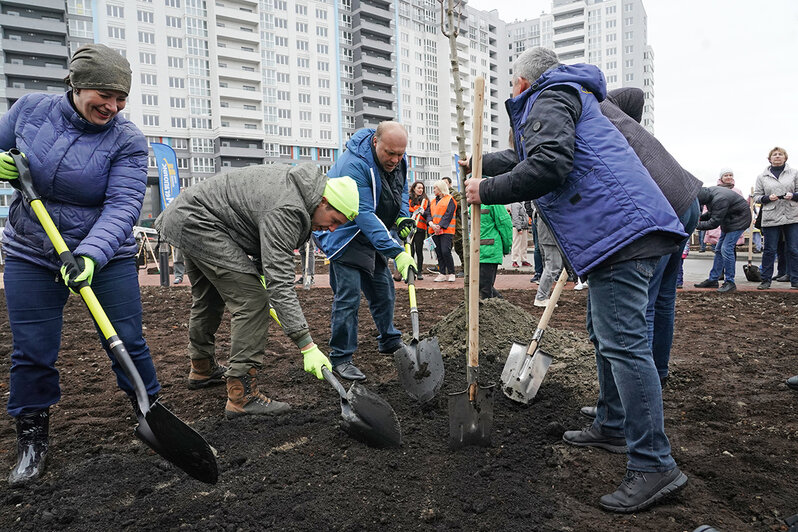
{"points": [[732, 422]]}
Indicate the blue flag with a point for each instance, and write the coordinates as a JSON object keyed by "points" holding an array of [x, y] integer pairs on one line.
{"points": [[169, 182]]}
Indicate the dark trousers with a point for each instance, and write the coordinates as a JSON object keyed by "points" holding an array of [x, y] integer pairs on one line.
{"points": [[487, 277], [443, 248], [36, 297], [417, 248], [538, 258]]}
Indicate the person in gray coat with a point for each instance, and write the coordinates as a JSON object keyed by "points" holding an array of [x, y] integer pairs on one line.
{"points": [[265, 212], [777, 190]]}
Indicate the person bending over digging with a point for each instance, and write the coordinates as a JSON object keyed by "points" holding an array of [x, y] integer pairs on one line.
{"points": [[265, 212]]}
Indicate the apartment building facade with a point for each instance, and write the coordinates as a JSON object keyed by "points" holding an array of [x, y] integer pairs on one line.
{"points": [[611, 34]]}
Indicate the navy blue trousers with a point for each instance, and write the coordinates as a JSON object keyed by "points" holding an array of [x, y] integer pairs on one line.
{"points": [[36, 297]]}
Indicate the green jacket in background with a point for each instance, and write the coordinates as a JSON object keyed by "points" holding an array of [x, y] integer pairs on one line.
{"points": [[495, 234]]}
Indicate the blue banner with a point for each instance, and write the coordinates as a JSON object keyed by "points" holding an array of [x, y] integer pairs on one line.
{"points": [[168, 179]]}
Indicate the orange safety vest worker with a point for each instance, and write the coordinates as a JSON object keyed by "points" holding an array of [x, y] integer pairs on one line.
{"points": [[421, 223], [438, 209]]}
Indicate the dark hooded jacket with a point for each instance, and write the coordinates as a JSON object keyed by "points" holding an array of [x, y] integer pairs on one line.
{"points": [[725, 209]]}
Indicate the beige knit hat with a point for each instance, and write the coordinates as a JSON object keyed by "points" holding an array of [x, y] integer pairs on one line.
{"points": [[96, 66]]}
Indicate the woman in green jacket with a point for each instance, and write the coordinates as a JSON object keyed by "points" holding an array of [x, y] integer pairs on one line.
{"points": [[496, 239]]}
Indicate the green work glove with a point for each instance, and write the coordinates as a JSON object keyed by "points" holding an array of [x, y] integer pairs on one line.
{"points": [[74, 276], [315, 360], [404, 226], [8, 170], [404, 262]]}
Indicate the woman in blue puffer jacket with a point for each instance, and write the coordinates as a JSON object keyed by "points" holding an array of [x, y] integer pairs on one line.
{"points": [[89, 165]]}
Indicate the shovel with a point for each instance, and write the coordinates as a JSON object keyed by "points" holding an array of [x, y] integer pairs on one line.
{"points": [[159, 428], [419, 363], [471, 411], [751, 271], [364, 415], [525, 368]]}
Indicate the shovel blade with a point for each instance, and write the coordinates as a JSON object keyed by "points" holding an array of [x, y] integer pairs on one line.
{"points": [[420, 368], [752, 273], [178, 443], [523, 374], [471, 422], [369, 418]]}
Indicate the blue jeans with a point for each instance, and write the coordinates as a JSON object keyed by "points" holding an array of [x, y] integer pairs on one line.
{"points": [[661, 309], [790, 256], [346, 283], [630, 395], [36, 297], [724, 256], [701, 244]]}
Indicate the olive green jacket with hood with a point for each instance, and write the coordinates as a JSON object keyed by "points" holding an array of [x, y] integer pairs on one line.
{"points": [[260, 211]]}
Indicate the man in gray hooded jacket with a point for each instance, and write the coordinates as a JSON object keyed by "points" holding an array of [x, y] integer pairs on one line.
{"points": [[264, 212]]}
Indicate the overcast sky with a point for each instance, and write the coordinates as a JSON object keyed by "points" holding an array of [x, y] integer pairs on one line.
{"points": [[725, 79]]}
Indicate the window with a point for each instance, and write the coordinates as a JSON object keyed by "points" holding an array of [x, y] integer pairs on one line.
{"points": [[283, 77], [149, 99], [628, 49], [249, 88], [303, 80], [303, 97], [172, 3], [322, 49], [629, 77], [180, 144], [321, 13], [145, 16], [303, 62], [146, 37], [80, 28], [610, 24], [150, 120], [323, 66], [284, 131], [149, 79], [179, 122], [281, 59], [202, 145], [177, 83], [115, 32], [629, 63], [302, 45], [302, 27], [200, 123], [305, 116], [202, 165], [248, 107], [177, 103], [175, 62], [611, 37], [305, 132], [324, 100], [324, 153], [281, 23], [321, 31], [174, 42], [182, 163], [628, 35], [324, 83], [250, 126], [610, 10], [325, 118], [283, 96], [173, 22], [284, 114], [281, 41], [115, 11], [146, 58], [281, 5]]}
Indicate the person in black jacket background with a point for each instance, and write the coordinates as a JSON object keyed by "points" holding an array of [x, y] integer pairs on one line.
{"points": [[730, 211]]}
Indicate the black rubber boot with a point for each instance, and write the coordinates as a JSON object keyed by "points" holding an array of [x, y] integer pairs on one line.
{"points": [[33, 432]]}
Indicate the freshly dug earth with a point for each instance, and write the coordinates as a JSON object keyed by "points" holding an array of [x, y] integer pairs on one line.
{"points": [[732, 422]]}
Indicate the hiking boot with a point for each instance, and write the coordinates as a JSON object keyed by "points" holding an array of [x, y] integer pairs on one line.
{"points": [[244, 398], [639, 490], [205, 372], [728, 286], [709, 283], [592, 437], [419, 277], [32, 442], [792, 383], [588, 411], [764, 285], [783, 278]]}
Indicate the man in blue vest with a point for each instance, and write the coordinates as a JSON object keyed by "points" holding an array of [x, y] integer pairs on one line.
{"points": [[359, 250], [612, 224]]}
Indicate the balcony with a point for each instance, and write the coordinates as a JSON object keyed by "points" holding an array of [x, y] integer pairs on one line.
{"points": [[53, 5], [36, 72], [233, 151], [235, 14], [370, 109], [241, 113], [240, 94], [35, 48], [367, 27], [374, 44], [34, 25], [234, 51], [382, 96], [376, 61], [238, 73], [373, 11], [238, 35]]}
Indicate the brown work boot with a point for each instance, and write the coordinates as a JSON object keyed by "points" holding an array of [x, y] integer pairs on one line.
{"points": [[244, 399], [205, 372]]}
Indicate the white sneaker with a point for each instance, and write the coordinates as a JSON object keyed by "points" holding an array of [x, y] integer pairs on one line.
{"points": [[451, 278], [541, 302], [580, 286], [440, 278]]}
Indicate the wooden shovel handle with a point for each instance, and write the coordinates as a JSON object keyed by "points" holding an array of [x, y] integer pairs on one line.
{"points": [[751, 229], [476, 172], [544, 320]]}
